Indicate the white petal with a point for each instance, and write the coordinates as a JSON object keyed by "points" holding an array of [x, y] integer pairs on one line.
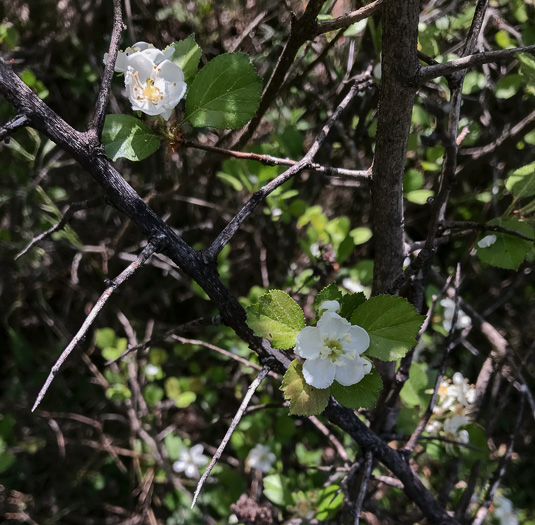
{"points": [[152, 54], [330, 306], [170, 71], [308, 343], [319, 373], [487, 241], [333, 325], [360, 340], [352, 371]]}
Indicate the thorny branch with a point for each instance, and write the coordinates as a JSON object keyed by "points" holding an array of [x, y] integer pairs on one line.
{"points": [[113, 285]]}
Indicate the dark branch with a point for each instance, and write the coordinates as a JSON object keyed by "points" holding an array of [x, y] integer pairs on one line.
{"points": [[442, 70], [105, 85]]}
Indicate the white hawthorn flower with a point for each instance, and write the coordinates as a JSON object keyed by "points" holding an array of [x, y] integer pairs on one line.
{"points": [[458, 392], [190, 460], [261, 458], [154, 84], [452, 426], [504, 510], [463, 320], [332, 351], [487, 241]]}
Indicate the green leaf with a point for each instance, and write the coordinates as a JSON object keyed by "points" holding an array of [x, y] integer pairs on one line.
{"points": [[363, 394], [361, 235], [521, 183], [186, 56], [508, 86], [105, 337], [329, 293], [231, 180], [276, 317], [153, 394], [508, 251], [305, 400], [350, 303], [392, 324], [276, 490], [329, 500], [412, 392], [127, 137], [225, 94], [419, 196]]}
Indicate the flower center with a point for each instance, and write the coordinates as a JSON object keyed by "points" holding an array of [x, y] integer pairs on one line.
{"points": [[148, 91], [333, 349]]}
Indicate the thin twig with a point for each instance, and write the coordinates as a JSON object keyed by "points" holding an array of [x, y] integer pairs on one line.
{"points": [[269, 160], [477, 59], [219, 350], [69, 212], [232, 227], [472, 225], [12, 125], [113, 285], [250, 391], [105, 85], [500, 471], [363, 485], [415, 436], [201, 321], [345, 21]]}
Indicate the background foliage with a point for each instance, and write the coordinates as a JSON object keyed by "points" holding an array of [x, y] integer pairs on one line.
{"points": [[100, 448]]}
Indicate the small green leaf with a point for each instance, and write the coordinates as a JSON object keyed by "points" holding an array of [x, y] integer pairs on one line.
{"points": [[419, 196], [363, 394], [392, 324], [276, 317], [521, 183], [330, 501], [305, 400], [127, 137], [329, 293], [350, 303], [508, 251], [105, 337], [276, 489], [225, 94], [508, 86], [231, 180], [412, 392], [186, 56], [361, 235]]}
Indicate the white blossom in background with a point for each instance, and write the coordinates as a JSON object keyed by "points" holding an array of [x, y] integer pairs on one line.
{"points": [[504, 510], [154, 84], [457, 392], [261, 458], [452, 428], [332, 351], [352, 285], [151, 370], [455, 402], [463, 320], [190, 460], [487, 241]]}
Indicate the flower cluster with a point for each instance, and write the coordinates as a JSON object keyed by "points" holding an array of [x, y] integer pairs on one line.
{"points": [[154, 84], [332, 350], [455, 402], [463, 320]]}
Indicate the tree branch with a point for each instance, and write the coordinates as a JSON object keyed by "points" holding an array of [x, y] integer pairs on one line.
{"points": [[453, 66], [105, 85]]}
